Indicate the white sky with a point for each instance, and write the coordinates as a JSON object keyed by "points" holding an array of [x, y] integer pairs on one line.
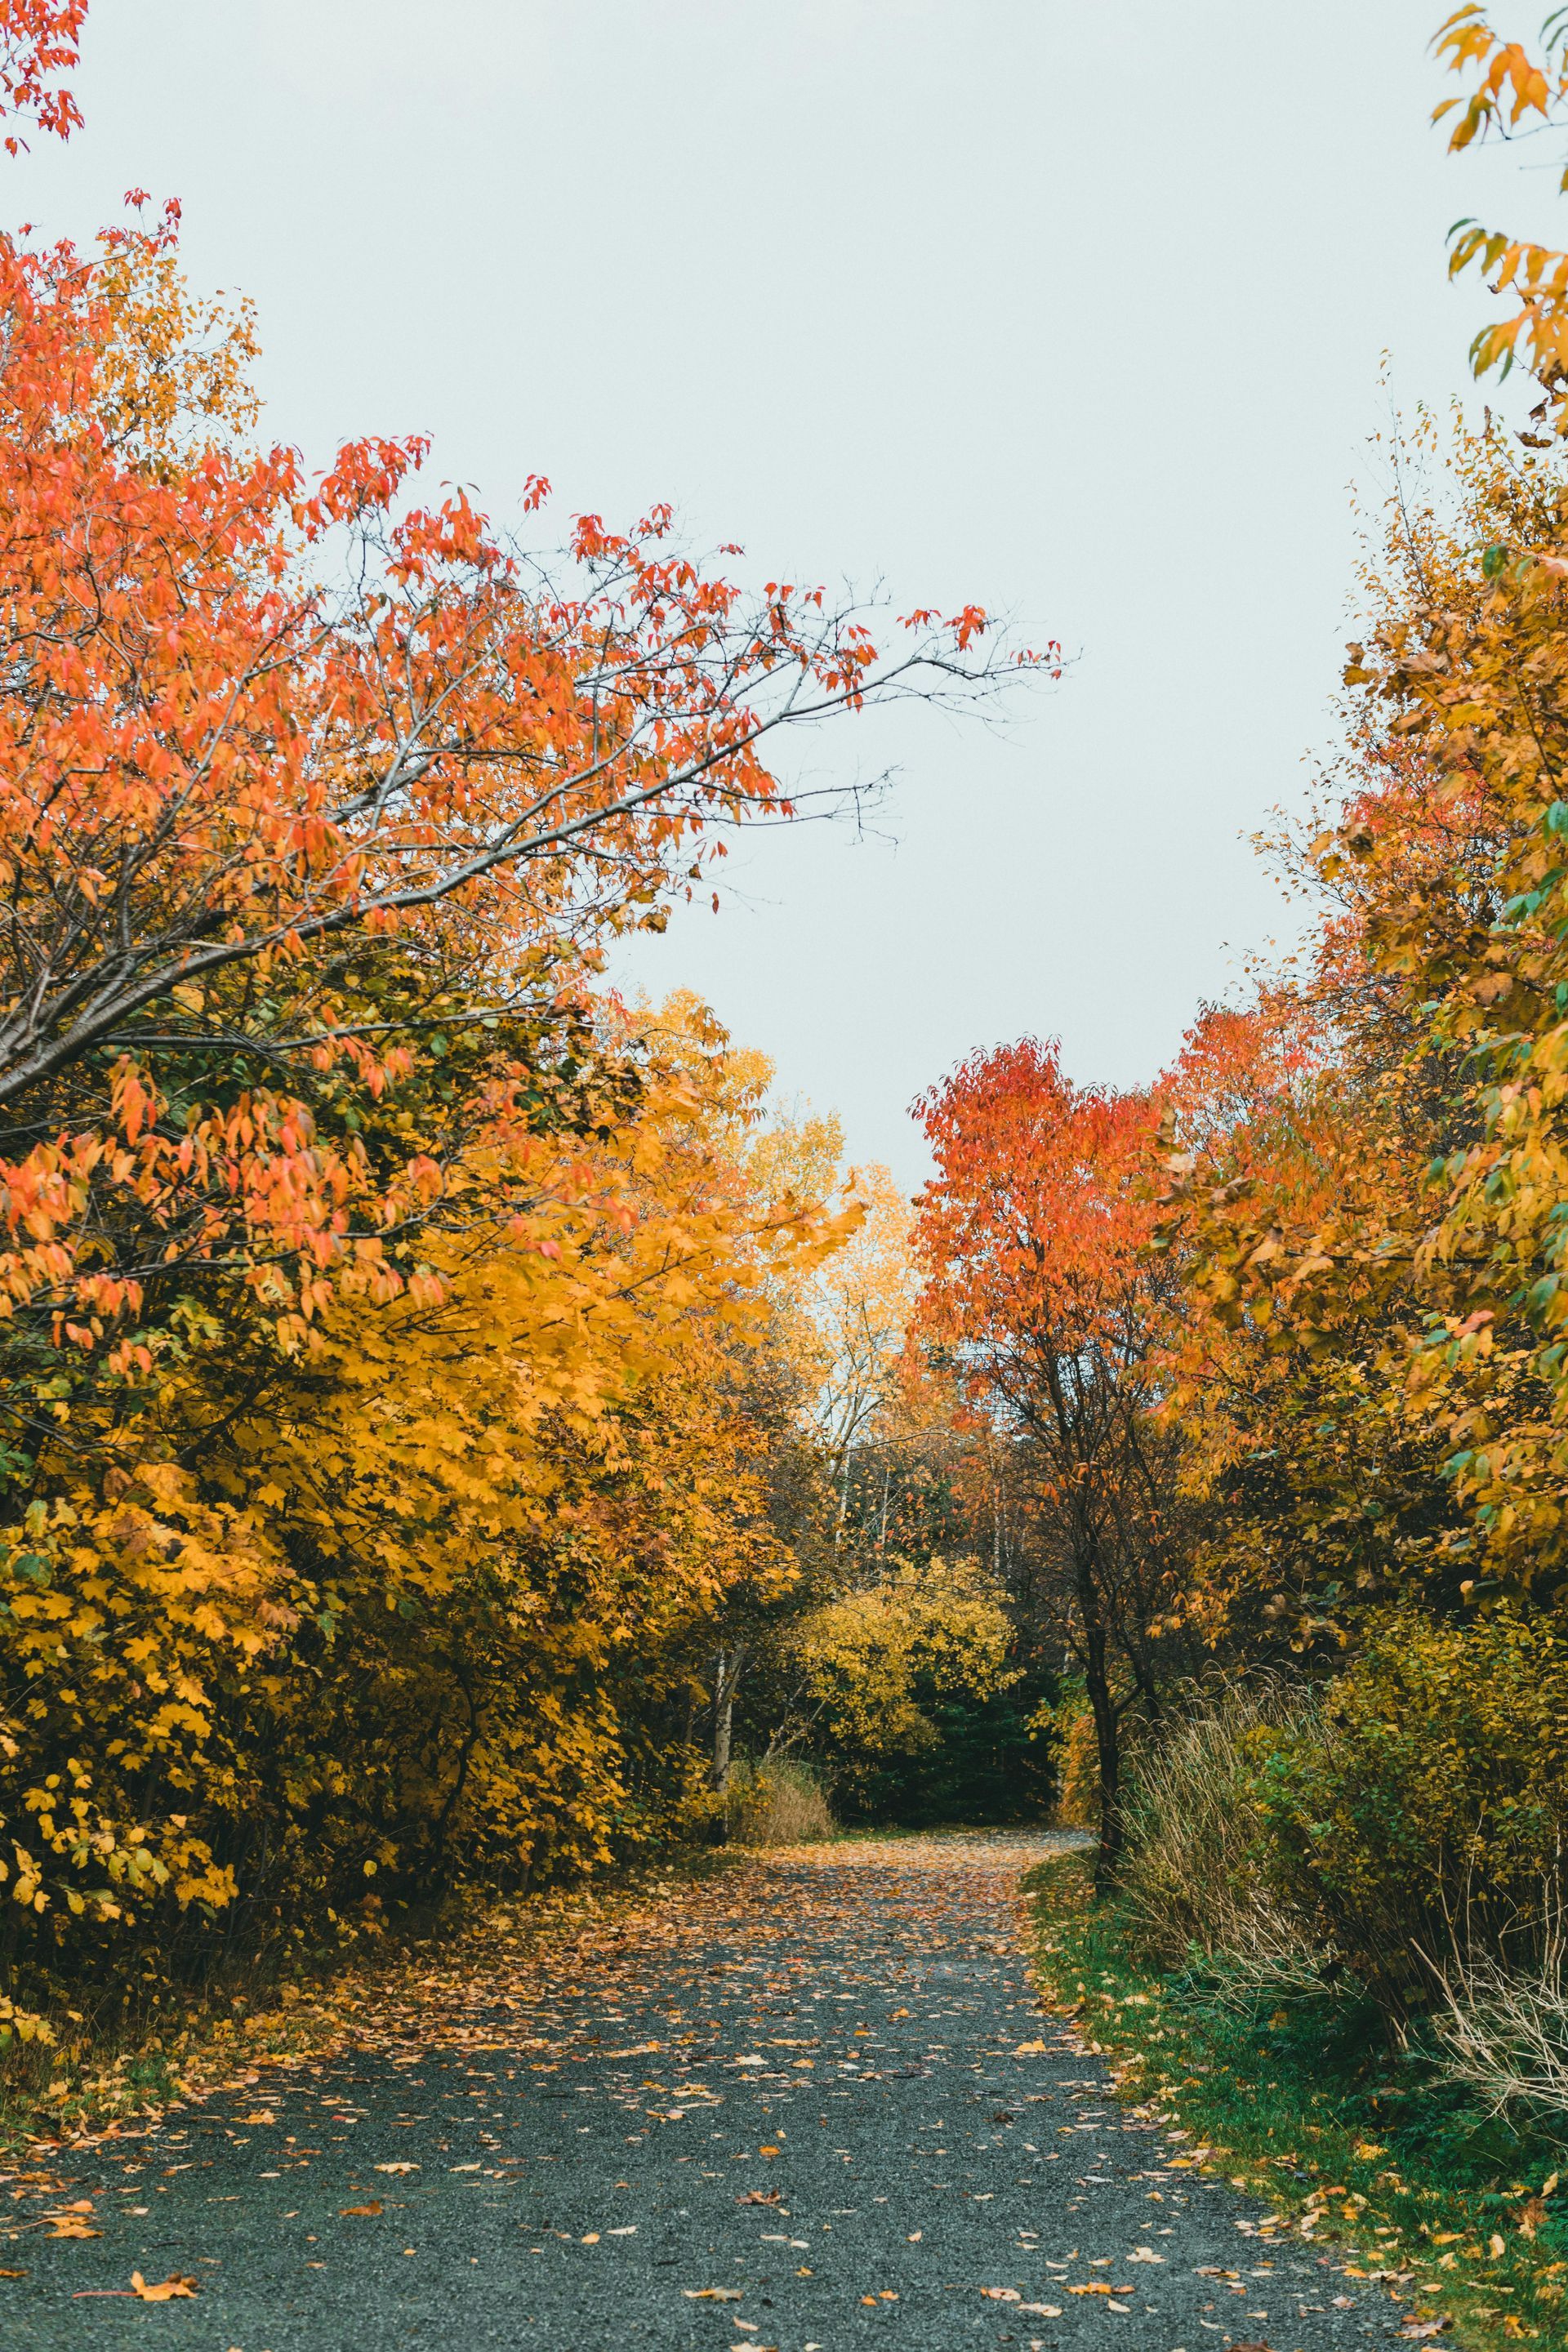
{"points": [[1078, 311]]}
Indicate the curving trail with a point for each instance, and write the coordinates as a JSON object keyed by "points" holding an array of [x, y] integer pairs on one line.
{"points": [[810, 2104]]}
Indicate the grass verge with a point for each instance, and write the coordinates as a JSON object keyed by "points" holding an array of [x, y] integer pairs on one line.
{"points": [[1305, 2103]]}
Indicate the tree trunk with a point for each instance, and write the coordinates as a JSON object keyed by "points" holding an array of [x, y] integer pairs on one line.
{"points": [[1107, 1728], [1108, 1742], [723, 1720], [726, 1679]]}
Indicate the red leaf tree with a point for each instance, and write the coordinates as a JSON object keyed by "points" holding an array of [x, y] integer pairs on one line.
{"points": [[1034, 1238], [298, 779]]}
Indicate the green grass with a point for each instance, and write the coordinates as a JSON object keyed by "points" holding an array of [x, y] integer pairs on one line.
{"points": [[1305, 2103]]}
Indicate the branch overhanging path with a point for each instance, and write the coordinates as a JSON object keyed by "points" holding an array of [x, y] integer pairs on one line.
{"points": [[812, 2103]]}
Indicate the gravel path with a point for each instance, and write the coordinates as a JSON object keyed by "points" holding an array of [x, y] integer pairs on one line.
{"points": [[810, 2104]]}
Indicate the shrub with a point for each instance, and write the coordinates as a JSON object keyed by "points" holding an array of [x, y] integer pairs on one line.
{"points": [[1419, 1810], [777, 1802]]}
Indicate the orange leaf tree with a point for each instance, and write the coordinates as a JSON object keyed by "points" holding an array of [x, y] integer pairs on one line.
{"points": [[38, 40], [264, 741], [1033, 1236], [372, 1294]]}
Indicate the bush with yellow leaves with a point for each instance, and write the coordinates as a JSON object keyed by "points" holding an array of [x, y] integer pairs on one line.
{"points": [[284, 1634], [1420, 1811], [874, 1661]]}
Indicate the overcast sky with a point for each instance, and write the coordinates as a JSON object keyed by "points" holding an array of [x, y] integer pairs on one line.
{"points": [[1076, 311]]}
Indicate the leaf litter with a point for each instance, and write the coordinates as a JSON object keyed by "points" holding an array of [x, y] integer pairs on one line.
{"points": [[821, 1940]]}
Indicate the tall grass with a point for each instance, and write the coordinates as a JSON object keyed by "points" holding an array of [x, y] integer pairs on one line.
{"points": [[777, 1802], [1280, 1842], [1502, 2030], [1199, 1878]]}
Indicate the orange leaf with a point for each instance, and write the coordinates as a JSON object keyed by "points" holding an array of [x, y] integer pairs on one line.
{"points": [[166, 2289]]}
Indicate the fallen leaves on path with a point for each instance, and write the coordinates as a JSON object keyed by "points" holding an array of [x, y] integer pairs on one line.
{"points": [[844, 1932], [71, 2221], [166, 2290], [144, 2290]]}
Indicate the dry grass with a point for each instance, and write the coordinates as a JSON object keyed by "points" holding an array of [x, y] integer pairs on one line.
{"points": [[778, 1802], [1503, 2032], [1196, 1878]]}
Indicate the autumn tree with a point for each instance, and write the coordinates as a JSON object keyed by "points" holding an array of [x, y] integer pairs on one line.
{"points": [[412, 1603], [863, 1303], [40, 39], [1290, 1223], [1379, 1240], [273, 745], [1463, 669], [770, 1159], [1032, 1237], [878, 1660], [1513, 89], [378, 1299]]}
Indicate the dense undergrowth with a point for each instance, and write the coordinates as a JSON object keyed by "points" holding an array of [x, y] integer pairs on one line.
{"points": [[1353, 2138]]}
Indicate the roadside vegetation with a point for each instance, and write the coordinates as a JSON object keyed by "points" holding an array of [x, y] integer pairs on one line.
{"points": [[1275, 1355], [1352, 2143], [451, 1436]]}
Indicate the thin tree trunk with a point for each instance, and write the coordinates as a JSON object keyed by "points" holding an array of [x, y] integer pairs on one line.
{"points": [[726, 1680], [1107, 1730], [723, 1721]]}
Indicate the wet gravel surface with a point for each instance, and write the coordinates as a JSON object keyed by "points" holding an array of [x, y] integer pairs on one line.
{"points": [[814, 2104]]}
